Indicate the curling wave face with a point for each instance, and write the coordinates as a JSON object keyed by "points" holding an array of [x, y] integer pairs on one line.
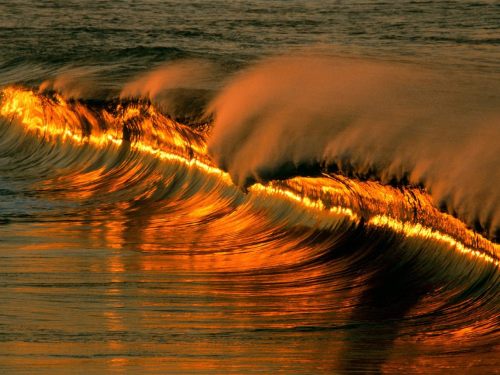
{"points": [[142, 181]]}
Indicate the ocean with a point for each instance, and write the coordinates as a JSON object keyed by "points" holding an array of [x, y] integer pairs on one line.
{"points": [[241, 187]]}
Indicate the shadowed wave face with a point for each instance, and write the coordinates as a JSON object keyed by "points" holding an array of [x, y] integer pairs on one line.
{"points": [[336, 272]]}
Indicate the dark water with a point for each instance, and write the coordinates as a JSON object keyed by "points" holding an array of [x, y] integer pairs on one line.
{"points": [[125, 249], [125, 37]]}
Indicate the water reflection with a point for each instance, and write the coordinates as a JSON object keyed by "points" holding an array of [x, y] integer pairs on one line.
{"points": [[134, 293]]}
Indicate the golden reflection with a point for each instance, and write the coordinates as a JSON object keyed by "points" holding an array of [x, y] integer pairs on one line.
{"points": [[418, 230], [112, 315], [313, 204]]}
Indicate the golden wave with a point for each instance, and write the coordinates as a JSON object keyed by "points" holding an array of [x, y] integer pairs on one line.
{"points": [[408, 212]]}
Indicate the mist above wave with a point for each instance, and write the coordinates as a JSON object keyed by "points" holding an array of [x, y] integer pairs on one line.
{"points": [[368, 119], [74, 83], [181, 88]]}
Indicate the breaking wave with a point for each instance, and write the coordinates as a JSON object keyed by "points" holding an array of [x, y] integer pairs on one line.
{"points": [[392, 123], [411, 264], [135, 131]]}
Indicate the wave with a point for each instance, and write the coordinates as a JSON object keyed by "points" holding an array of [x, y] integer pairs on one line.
{"points": [[408, 264], [141, 128]]}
